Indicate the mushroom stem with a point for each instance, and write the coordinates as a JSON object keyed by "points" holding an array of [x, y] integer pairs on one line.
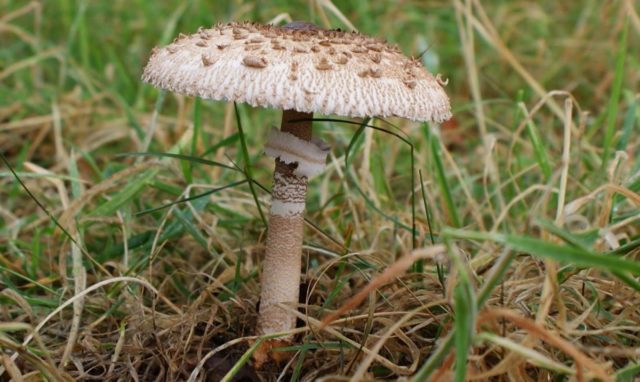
{"points": [[281, 266]]}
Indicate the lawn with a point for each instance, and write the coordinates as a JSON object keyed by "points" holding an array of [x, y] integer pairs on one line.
{"points": [[503, 244]]}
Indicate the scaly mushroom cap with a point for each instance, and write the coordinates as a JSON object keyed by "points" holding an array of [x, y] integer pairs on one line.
{"points": [[304, 69]]}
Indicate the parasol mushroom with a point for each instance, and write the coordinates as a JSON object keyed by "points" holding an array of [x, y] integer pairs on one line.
{"points": [[300, 69]]}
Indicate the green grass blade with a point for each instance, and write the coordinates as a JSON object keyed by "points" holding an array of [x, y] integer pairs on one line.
{"points": [[463, 324], [188, 158], [612, 109], [441, 178], [191, 198], [465, 312], [539, 149], [186, 221], [586, 245], [241, 362], [628, 373], [125, 195], [354, 140], [544, 249], [565, 235], [197, 123], [228, 141], [247, 164], [627, 126], [434, 360], [427, 211]]}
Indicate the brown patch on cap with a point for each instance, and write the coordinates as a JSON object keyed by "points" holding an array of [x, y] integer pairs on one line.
{"points": [[207, 60], [375, 72], [342, 59], [324, 64], [254, 62], [410, 83], [370, 72]]}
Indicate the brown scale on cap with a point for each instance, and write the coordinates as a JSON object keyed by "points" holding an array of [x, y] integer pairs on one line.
{"points": [[207, 60], [371, 72], [333, 64], [324, 64], [359, 49], [254, 62], [342, 59], [203, 33], [410, 83], [375, 47], [293, 75]]}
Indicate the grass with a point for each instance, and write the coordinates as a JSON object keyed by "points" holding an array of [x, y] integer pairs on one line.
{"points": [[502, 245]]}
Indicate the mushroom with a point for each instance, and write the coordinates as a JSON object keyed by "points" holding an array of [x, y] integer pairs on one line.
{"points": [[300, 69]]}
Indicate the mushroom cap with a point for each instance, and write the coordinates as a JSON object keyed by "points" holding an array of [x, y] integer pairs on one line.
{"points": [[298, 67]]}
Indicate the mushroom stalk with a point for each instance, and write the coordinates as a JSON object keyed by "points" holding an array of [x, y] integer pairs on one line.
{"points": [[281, 267]]}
